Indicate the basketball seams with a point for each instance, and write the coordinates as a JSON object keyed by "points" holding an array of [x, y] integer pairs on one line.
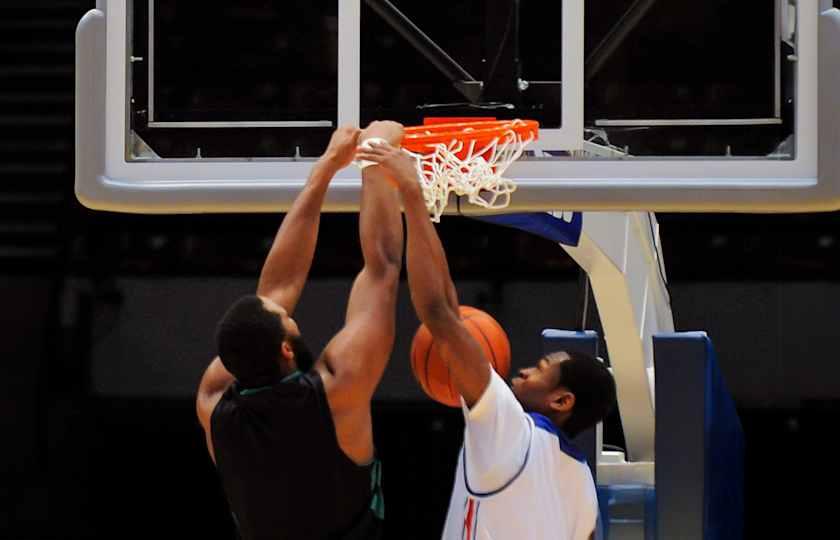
{"points": [[499, 330], [453, 393], [427, 382], [477, 327], [433, 379], [430, 381]]}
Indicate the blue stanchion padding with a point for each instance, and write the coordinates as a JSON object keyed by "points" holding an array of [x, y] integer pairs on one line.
{"points": [[699, 443], [725, 455], [542, 224], [631, 505]]}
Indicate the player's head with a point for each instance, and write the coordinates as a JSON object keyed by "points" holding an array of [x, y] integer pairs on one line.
{"points": [[258, 342], [575, 390]]}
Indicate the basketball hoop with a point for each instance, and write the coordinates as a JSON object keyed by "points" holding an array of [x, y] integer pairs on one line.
{"points": [[467, 157]]}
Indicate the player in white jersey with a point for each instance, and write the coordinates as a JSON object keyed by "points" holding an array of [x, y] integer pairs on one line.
{"points": [[518, 475]]}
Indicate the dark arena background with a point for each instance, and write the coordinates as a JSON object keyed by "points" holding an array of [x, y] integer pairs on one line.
{"points": [[107, 320]]}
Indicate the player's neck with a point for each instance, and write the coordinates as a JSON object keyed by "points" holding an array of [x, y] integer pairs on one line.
{"points": [[559, 419]]}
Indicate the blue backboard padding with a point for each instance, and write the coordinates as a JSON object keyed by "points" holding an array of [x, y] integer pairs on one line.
{"points": [[699, 443], [542, 224]]}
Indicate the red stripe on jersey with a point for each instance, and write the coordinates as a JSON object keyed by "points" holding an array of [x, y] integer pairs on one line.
{"points": [[468, 532]]}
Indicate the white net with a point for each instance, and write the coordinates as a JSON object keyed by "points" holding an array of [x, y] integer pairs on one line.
{"points": [[470, 169]]}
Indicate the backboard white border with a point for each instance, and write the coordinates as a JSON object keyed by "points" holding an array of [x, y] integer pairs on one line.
{"points": [[110, 182]]}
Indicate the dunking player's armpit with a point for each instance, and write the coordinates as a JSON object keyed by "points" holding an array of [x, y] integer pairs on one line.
{"points": [[518, 477]]}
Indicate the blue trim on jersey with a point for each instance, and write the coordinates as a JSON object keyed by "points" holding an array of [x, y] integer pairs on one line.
{"points": [[475, 519], [507, 484], [566, 445]]}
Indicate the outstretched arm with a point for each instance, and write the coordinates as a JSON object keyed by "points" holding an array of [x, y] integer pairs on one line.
{"points": [[497, 431], [432, 291], [287, 265], [290, 258], [354, 360], [358, 354]]}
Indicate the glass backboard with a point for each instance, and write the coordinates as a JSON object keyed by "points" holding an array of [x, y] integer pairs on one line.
{"points": [[720, 105]]}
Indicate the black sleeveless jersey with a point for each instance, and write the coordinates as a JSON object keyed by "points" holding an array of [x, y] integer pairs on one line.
{"points": [[283, 472]]}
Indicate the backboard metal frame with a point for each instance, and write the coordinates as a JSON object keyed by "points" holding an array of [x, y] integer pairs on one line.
{"points": [[107, 179], [155, 123]]}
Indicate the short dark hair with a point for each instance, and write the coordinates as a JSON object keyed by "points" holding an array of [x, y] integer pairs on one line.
{"points": [[249, 339], [594, 389]]}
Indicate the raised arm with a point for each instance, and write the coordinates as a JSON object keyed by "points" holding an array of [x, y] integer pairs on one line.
{"points": [[432, 291], [290, 258], [354, 360], [356, 357]]}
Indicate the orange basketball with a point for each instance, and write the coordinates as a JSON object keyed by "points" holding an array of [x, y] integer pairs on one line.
{"points": [[432, 372]]}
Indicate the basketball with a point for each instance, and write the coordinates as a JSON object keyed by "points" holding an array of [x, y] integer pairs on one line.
{"points": [[432, 372]]}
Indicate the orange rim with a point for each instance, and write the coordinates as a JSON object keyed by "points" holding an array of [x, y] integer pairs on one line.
{"points": [[419, 138]]}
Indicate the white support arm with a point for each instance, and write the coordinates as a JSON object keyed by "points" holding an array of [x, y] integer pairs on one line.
{"points": [[622, 256]]}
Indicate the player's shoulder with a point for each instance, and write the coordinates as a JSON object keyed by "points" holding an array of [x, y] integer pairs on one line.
{"points": [[502, 391], [289, 392], [497, 399]]}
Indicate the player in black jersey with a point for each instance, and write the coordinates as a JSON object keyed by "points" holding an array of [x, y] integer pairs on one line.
{"points": [[291, 437]]}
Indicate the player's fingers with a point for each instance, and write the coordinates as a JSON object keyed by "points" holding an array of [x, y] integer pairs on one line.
{"points": [[369, 156], [370, 150], [380, 145], [372, 145]]}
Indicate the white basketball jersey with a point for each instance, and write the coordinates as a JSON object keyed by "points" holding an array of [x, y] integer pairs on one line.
{"points": [[518, 477]]}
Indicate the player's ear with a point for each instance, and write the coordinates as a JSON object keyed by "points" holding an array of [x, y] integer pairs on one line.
{"points": [[562, 400], [287, 351]]}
